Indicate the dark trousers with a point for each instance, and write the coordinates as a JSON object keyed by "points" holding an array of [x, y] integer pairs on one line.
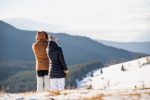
{"points": [[41, 73]]}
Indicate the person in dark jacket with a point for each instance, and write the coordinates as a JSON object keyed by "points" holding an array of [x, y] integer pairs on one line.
{"points": [[58, 68]]}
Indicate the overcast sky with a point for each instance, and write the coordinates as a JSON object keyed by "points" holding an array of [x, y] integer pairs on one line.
{"points": [[115, 20]]}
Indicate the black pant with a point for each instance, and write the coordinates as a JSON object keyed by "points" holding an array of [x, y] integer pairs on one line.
{"points": [[41, 73]]}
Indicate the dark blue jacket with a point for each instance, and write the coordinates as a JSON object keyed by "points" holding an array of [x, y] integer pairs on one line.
{"points": [[57, 61]]}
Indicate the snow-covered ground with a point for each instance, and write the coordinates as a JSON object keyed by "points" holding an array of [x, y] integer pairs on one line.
{"points": [[110, 83], [136, 75], [81, 94]]}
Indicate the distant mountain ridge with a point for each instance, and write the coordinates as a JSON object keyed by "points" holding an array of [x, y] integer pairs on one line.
{"points": [[16, 44], [142, 47], [28, 24]]}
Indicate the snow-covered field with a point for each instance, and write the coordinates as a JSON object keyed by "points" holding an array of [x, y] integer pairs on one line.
{"points": [[134, 75], [81, 95], [132, 82]]}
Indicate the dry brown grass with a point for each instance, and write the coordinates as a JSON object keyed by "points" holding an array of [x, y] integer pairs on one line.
{"points": [[134, 96], [97, 97], [138, 95], [148, 93], [54, 93]]}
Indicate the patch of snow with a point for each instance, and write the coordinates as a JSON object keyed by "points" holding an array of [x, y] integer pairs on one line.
{"points": [[135, 76], [81, 94]]}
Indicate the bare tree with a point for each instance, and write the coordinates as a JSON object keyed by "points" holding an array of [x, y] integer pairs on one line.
{"points": [[139, 63]]}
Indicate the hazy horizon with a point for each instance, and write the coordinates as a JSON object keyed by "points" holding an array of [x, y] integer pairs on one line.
{"points": [[121, 21]]}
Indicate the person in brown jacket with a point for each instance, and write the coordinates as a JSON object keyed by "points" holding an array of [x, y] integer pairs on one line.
{"points": [[42, 61]]}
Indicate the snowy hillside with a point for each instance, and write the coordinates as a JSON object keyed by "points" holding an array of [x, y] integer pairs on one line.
{"points": [[125, 81], [129, 75]]}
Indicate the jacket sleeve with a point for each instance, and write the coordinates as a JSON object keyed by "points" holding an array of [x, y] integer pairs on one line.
{"points": [[62, 60]]}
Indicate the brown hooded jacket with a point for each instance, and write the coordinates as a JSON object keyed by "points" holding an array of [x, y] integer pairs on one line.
{"points": [[39, 49]]}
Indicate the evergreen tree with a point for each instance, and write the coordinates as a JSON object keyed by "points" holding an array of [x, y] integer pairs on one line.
{"points": [[92, 75], [101, 71], [122, 68]]}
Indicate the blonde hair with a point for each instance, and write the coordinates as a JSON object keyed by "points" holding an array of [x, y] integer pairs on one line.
{"points": [[53, 38]]}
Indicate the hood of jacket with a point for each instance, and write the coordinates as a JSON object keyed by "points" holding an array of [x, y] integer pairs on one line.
{"points": [[53, 46], [41, 36]]}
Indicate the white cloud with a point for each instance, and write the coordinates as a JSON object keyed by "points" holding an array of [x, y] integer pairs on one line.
{"points": [[85, 16]]}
